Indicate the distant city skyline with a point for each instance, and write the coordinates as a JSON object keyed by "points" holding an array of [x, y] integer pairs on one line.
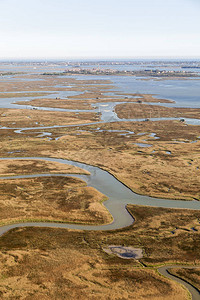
{"points": [[66, 29]]}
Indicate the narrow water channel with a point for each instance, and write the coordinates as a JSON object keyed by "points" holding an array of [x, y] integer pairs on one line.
{"points": [[193, 291], [119, 196]]}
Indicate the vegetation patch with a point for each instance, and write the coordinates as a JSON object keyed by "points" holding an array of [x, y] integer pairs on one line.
{"points": [[57, 263], [191, 275]]}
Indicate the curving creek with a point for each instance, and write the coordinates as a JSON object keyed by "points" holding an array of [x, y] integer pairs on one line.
{"points": [[118, 194]]}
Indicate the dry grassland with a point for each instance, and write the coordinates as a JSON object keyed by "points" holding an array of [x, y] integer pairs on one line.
{"points": [[42, 263], [57, 103], [21, 94], [144, 98], [59, 198], [42, 83], [191, 275], [132, 110], [61, 264], [99, 95], [166, 235], [84, 100], [151, 170], [20, 118], [24, 167]]}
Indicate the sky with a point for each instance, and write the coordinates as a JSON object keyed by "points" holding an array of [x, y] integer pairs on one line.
{"points": [[99, 29]]}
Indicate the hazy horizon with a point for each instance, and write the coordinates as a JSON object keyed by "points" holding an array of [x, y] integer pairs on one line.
{"points": [[80, 59], [134, 29]]}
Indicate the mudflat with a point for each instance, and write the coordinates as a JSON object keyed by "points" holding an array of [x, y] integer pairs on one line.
{"points": [[156, 158]]}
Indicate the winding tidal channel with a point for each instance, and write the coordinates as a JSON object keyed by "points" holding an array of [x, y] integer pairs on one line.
{"points": [[118, 194]]}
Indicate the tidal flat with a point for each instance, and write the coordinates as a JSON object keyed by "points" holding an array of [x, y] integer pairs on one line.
{"points": [[94, 121], [50, 263]]}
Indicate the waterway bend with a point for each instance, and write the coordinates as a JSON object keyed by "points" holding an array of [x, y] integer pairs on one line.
{"points": [[193, 291], [119, 196]]}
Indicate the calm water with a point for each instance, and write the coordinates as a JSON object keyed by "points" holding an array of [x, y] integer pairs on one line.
{"points": [[184, 91], [119, 196]]}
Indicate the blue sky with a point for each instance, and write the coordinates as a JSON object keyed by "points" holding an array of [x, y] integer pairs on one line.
{"points": [[103, 29]]}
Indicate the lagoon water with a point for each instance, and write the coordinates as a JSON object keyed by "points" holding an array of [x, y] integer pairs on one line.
{"points": [[184, 91]]}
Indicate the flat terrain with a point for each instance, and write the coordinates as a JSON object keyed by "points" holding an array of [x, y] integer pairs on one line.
{"points": [[160, 159], [85, 99], [191, 275], [146, 73], [166, 235], [40, 84], [57, 263], [64, 199], [51, 199], [163, 169], [57, 103], [20, 118], [132, 110], [27, 167], [149, 157]]}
